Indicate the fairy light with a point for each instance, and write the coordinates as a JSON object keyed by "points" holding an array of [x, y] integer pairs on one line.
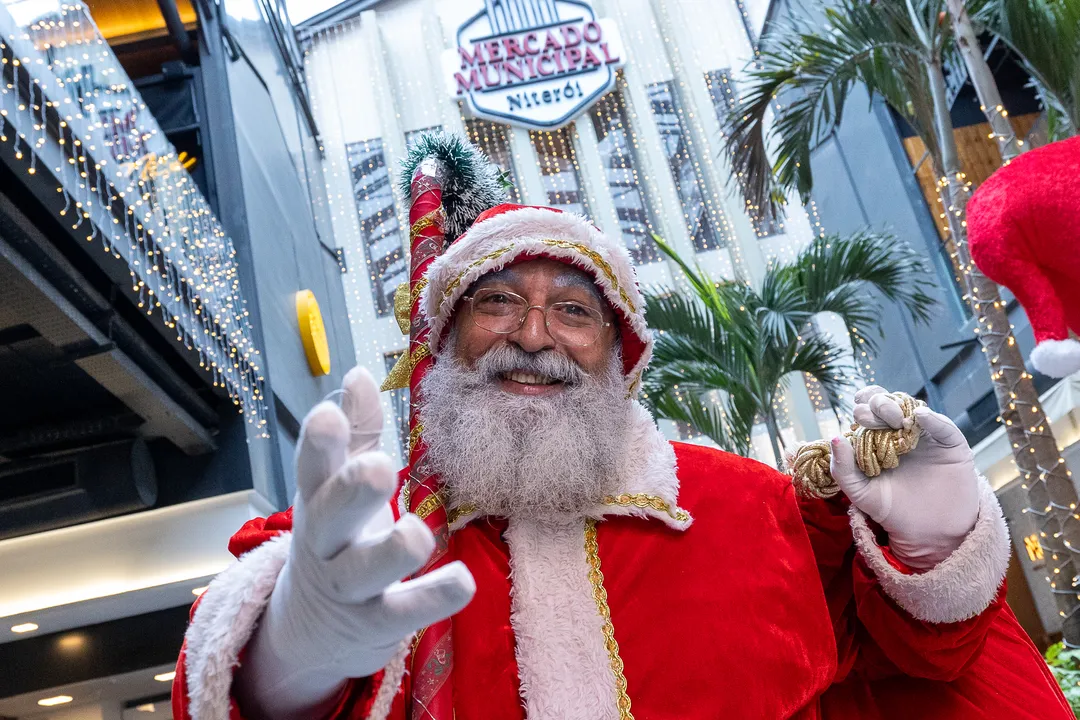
{"points": [[340, 62], [125, 187]]}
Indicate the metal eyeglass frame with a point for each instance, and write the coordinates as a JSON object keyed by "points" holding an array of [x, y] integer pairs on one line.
{"points": [[525, 315]]}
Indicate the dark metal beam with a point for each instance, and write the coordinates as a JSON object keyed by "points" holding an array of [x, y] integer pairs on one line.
{"points": [[177, 31]]}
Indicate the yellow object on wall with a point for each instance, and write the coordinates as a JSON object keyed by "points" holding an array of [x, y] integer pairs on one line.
{"points": [[313, 333]]}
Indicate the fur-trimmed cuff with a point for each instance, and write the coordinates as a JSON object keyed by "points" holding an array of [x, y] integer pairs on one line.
{"points": [[224, 622], [959, 587]]}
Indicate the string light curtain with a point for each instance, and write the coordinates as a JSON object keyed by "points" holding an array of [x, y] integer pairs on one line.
{"points": [[618, 150], [493, 140], [379, 226], [689, 184], [70, 111], [721, 87], [559, 170], [338, 65]]}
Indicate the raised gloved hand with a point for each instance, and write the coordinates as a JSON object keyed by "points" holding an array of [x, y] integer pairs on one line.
{"points": [[338, 610], [930, 502]]}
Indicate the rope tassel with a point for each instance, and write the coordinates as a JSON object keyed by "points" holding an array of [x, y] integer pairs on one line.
{"points": [[875, 450]]}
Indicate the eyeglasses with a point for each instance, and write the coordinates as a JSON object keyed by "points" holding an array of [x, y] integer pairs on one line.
{"points": [[568, 322]]}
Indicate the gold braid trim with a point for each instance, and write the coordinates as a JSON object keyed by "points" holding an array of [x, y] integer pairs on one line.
{"points": [[644, 501], [596, 577], [479, 261], [875, 450], [453, 514], [433, 502], [417, 289], [425, 221], [414, 436], [600, 263], [429, 505]]}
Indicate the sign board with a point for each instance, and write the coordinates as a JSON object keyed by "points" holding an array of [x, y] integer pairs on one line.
{"points": [[533, 63]]}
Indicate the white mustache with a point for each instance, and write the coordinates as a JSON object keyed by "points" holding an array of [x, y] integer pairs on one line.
{"points": [[549, 363]]}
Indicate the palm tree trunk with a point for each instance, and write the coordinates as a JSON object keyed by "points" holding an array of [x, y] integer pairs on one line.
{"points": [[983, 80], [774, 437], [1051, 494]]}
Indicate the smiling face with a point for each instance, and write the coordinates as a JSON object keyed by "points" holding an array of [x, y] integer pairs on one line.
{"points": [[541, 283], [519, 423]]}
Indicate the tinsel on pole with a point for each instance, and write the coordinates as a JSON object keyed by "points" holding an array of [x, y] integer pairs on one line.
{"points": [[432, 656]]}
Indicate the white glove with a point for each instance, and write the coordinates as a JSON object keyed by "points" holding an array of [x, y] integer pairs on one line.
{"points": [[338, 610], [930, 502]]}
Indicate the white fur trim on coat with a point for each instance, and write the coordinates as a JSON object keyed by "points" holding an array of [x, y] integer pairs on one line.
{"points": [[648, 480], [1056, 358], [492, 244], [959, 587], [563, 664], [224, 622]]}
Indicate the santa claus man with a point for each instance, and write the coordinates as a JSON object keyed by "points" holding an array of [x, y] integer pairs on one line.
{"points": [[599, 571]]}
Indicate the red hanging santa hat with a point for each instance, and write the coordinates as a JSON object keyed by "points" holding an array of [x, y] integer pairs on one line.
{"points": [[1024, 233]]}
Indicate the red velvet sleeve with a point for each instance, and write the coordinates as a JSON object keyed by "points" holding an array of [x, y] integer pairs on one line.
{"points": [[358, 696], [875, 637]]}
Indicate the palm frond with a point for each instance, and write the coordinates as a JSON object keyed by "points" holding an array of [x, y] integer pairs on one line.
{"points": [[812, 71], [729, 432], [1046, 36], [826, 362], [835, 273]]}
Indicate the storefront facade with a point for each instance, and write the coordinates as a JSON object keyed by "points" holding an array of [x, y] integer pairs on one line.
{"points": [[607, 109]]}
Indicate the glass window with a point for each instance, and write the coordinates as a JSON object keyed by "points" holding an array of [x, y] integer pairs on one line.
{"points": [[619, 152], [400, 400], [559, 169], [721, 86], [688, 183], [379, 226], [494, 140]]}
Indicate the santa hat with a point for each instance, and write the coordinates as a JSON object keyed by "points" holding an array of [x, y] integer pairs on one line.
{"points": [[502, 234], [1023, 224]]}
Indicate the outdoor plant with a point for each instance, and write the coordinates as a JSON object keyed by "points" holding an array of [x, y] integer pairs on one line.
{"points": [[725, 350], [802, 78], [1065, 665]]}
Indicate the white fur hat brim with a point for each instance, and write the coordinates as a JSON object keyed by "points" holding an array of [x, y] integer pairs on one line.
{"points": [[508, 233]]}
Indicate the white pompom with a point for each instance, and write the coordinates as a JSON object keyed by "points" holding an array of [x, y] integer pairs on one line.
{"points": [[1056, 358]]}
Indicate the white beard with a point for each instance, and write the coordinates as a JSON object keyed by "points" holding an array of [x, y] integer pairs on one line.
{"points": [[524, 456]]}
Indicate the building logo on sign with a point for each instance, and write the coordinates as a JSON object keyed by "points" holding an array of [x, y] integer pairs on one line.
{"points": [[534, 63]]}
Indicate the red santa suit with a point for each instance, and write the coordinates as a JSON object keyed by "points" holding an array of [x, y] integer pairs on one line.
{"points": [[727, 598], [700, 588]]}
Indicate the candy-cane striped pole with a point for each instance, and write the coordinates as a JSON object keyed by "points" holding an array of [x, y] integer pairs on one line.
{"points": [[433, 652]]}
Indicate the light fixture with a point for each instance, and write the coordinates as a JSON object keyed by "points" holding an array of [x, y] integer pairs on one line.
{"points": [[146, 707], [55, 700], [165, 677], [199, 590], [24, 627]]}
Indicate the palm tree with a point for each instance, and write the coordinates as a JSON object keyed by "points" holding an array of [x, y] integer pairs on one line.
{"points": [[1045, 34], [724, 351], [982, 78], [896, 49]]}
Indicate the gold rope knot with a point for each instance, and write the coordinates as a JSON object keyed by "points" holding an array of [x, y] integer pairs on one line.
{"points": [[875, 450]]}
